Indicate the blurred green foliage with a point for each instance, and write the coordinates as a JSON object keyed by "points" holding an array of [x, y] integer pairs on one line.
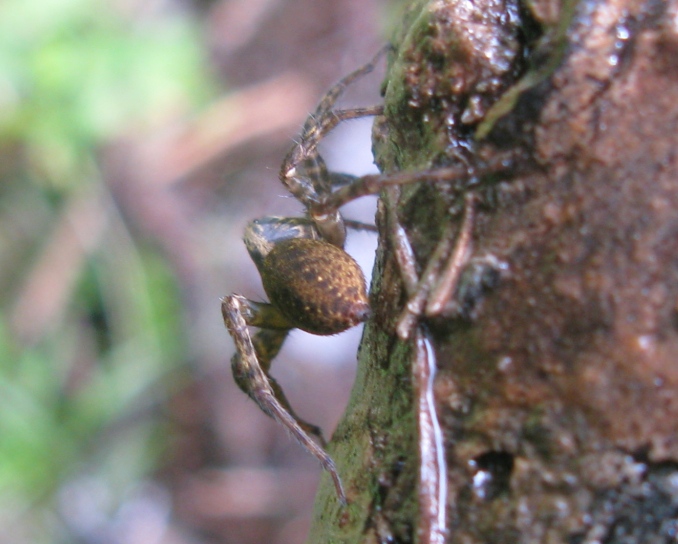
{"points": [[84, 399], [75, 72]]}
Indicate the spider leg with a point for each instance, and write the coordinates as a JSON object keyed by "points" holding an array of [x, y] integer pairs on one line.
{"points": [[317, 172], [314, 186], [332, 226], [267, 344], [325, 118], [331, 96], [417, 301], [303, 171], [432, 488], [430, 293], [317, 126], [417, 288], [448, 281], [359, 225], [292, 172], [251, 376], [400, 244], [323, 180], [458, 176]]}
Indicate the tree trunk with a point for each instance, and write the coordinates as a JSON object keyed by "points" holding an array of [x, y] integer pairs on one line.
{"points": [[557, 383]]}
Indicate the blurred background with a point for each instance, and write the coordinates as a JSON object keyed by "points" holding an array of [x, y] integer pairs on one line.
{"points": [[137, 138]]}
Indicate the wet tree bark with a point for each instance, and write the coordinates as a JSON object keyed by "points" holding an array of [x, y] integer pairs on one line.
{"points": [[557, 383]]}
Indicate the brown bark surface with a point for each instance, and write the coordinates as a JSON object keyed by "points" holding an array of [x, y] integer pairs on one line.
{"points": [[558, 390]]}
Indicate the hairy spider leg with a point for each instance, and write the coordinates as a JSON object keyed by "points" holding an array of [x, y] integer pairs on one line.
{"points": [[303, 172], [458, 176], [332, 226], [325, 118], [417, 287], [432, 485], [316, 184], [439, 280], [250, 366], [267, 343], [447, 283], [298, 183], [324, 180], [400, 244], [417, 301]]}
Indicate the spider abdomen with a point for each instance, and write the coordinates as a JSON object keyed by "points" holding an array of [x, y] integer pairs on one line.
{"points": [[316, 285]]}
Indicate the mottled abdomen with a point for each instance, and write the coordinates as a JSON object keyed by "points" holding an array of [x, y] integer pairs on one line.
{"points": [[316, 285]]}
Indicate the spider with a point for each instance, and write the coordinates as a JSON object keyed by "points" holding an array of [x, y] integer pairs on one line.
{"points": [[312, 283]]}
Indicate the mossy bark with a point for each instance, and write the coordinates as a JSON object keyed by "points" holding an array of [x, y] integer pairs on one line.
{"points": [[558, 391]]}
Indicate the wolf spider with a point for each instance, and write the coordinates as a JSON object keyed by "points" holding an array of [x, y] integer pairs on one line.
{"points": [[312, 283]]}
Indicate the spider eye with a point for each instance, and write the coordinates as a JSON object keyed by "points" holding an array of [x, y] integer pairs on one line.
{"points": [[316, 285]]}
